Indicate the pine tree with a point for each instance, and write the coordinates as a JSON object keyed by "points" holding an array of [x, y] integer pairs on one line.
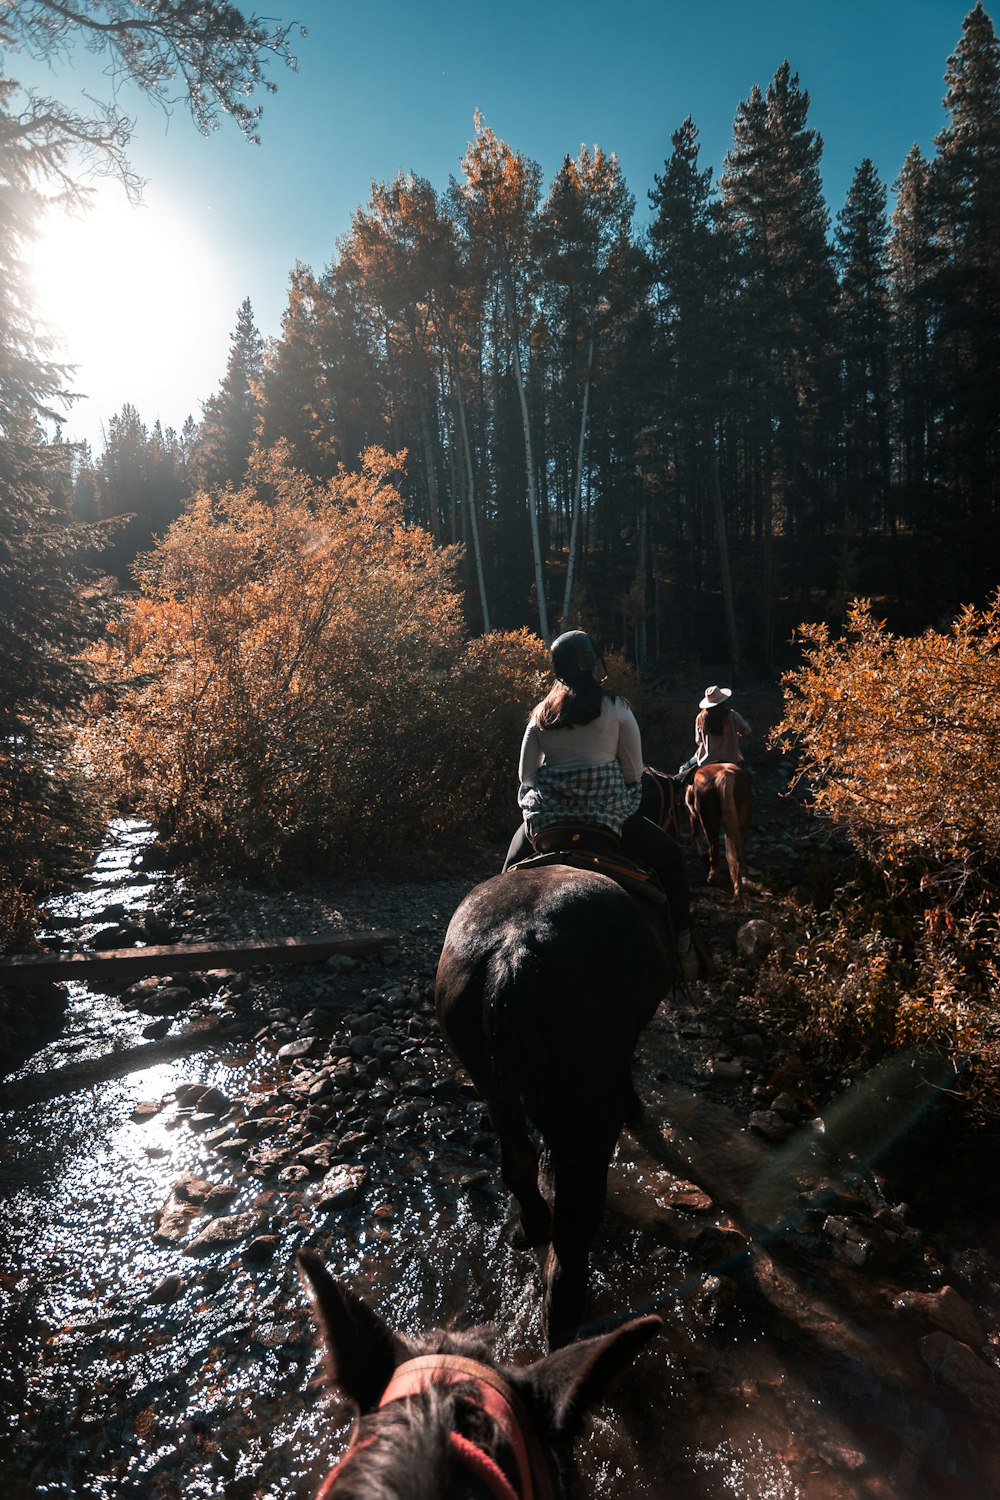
{"points": [[911, 257], [230, 417], [298, 403], [772, 198], [691, 290], [863, 322], [965, 201]]}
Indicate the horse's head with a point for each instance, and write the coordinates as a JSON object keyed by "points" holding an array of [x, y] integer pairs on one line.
{"points": [[440, 1418]]}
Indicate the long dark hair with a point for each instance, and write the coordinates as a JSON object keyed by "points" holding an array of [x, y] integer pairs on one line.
{"points": [[713, 719], [571, 703]]}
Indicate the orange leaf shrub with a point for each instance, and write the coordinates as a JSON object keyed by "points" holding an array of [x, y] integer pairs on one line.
{"points": [[894, 738], [292, 688]]}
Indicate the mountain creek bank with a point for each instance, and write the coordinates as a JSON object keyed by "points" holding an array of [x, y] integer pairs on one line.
{"points": [[831, 1311]]}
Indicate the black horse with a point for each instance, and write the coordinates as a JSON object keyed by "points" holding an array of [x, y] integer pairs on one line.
{"points": [[439, 1418], [547, 976]]}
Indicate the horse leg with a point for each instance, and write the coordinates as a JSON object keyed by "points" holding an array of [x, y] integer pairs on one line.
{"points": [[581, 1188], [519, 1170]]}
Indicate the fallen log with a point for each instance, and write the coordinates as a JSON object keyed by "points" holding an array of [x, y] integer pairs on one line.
{"points": [[175, 958]]}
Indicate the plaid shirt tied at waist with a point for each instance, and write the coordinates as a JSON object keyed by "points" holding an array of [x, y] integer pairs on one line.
{"points": [[595, 795]]}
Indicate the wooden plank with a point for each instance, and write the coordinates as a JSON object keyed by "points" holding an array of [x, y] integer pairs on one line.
{"points": [[121, 963]]}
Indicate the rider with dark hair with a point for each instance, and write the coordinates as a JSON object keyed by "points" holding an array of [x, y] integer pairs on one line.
{"points": [[581, 763], [718, 730]]}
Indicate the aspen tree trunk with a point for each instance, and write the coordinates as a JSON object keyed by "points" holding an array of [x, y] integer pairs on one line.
{"points": [[471, 496], [536, 541], [578, 488], [431, 471]]}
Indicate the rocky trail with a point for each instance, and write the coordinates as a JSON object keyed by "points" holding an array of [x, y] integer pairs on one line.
{"points": [[169, 1151]]}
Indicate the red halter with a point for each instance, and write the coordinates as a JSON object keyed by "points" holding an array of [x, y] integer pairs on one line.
{"points": [[497, 1399]]}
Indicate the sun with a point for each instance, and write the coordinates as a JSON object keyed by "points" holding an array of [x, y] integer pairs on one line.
{"points": [[139, 301]]}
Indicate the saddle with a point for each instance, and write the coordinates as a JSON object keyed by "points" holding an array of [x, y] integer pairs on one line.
{"points": [[583, 847]]}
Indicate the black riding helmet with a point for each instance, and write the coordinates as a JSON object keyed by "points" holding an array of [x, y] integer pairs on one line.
{"points": [[574, 655]]}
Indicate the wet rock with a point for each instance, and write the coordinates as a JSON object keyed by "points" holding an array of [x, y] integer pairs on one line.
{"points": [[202, 1098], [166, 1001], [168, 1290], [787, 1106], [756, 939], [474, 1179], [303, 1046], [296, 1172], [220, 1234], [725, 1069], [261, 1248], [947, 1310], [712, 1299], [146, 1110], [173, 1222], [677, 1193], [961, 1369], [342, 1186], [190, 1189], [769, 1125], [267, 1160], [156, 1030], [156, 929], [340, 963], [141, 990]]}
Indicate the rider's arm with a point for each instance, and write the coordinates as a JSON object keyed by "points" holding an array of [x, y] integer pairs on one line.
{"points": [[531, 755], [629, 747]]}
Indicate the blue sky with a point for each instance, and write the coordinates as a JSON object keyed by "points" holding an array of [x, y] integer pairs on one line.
{"points": [[147, 299]]}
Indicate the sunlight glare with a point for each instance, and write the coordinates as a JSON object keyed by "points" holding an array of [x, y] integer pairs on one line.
{"points": [[140, 303]]}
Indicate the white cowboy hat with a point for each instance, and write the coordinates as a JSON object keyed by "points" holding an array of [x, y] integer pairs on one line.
{"points": [[714, 695]]}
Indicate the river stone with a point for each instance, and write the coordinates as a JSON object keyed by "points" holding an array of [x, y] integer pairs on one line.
{"points": [[171, 998], [755, 940], [173, 1222], [168, 1290], [957, 1366], [342, 1186], [947, 1310], [221, 1233], [191, 1189], [303, 1046], [771, 1126], [675, 1192], [261, 1248], [146, 1110], [340, 963]]}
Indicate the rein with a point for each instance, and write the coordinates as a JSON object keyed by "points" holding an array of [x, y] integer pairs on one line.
{"points": [[496, 1398]]}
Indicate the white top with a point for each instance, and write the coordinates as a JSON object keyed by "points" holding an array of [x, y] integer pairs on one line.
{"points": [[613, 735]]}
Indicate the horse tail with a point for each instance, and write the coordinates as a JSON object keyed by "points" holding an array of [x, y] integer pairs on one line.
{"points": [[510, 1018], [732, 824]]}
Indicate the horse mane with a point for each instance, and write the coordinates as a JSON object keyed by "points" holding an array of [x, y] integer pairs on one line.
{"points": [[403, 1452]]}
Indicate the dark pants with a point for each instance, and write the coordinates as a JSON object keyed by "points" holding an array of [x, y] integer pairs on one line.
{"points": [[642, 841]]}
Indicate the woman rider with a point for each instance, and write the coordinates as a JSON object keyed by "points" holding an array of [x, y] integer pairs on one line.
{"points": [[718, 730], [581, 762]]}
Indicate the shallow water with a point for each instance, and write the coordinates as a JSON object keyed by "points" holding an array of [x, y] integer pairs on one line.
{"points": [[769, 1379]]}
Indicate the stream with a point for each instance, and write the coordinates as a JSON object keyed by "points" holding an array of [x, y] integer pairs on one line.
{"points": [[136, 1362]]}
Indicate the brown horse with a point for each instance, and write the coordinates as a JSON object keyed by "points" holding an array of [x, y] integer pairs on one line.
{"points": [[546, 978], [440, 1419], [719, 799], [659, 800]]}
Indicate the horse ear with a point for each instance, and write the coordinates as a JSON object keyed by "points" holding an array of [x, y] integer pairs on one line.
{"points": [[575, 1378], [361, 1350]]}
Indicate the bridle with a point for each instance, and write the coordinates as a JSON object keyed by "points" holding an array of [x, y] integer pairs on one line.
{"points": [[497, 1399]]}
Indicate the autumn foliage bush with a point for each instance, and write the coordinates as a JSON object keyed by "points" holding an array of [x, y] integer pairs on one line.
{"points": [[895, 740], [291, 692]]}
